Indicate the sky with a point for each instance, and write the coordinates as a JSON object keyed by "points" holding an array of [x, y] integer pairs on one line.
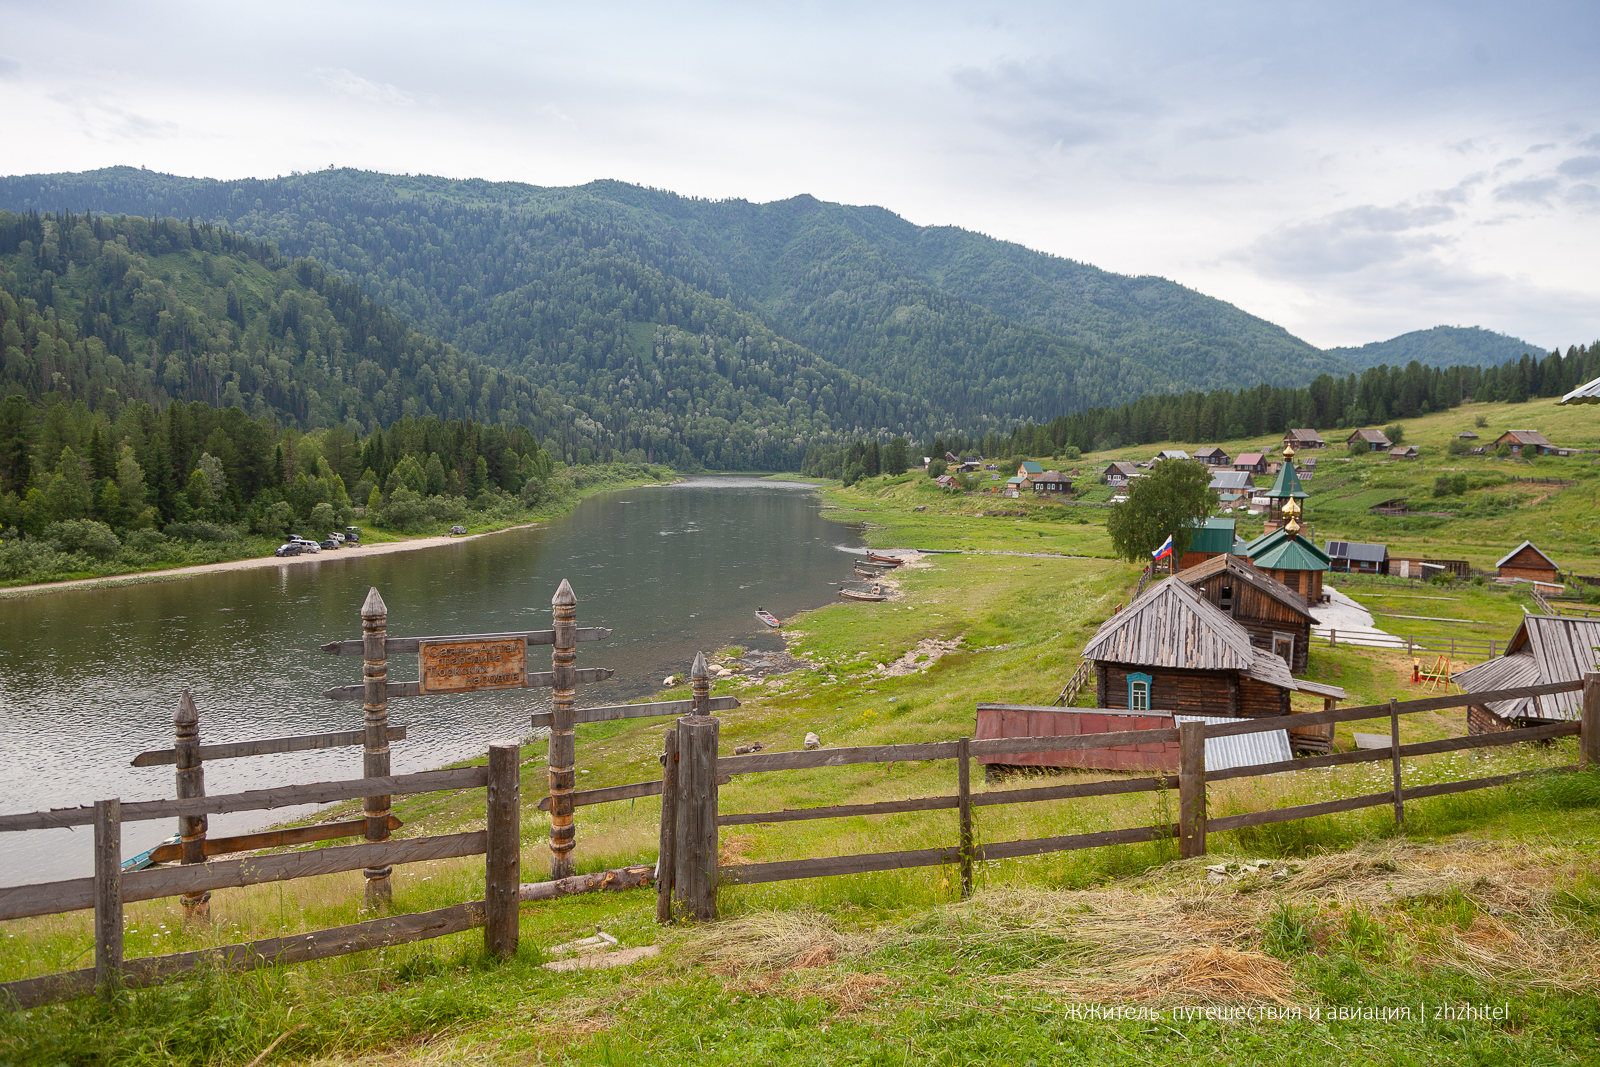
{"points": [[1350, 171]]}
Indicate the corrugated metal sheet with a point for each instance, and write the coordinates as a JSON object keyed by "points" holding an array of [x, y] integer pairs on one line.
{"points": [[1241, 750], [1588, 393]]}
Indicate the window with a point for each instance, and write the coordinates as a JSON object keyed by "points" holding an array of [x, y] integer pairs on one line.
{"points": [[1139, 692], [1283, 645]]}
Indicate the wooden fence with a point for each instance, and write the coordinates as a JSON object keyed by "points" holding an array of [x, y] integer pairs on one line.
{"points": [[110, 887], [1453, 646], [689, 872]]}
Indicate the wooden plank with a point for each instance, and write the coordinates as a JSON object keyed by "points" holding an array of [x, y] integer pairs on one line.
{"points": [[612, 712], [299, 835], [536, 680], [1589, 738], [785, 870], [1381, 711], [1419, 748], [108, 895], [503, 852], [234, 749], [964, 807], [1192, 789], [400, 645], [834, 757], [841, 811], [1004, 746], [610, 881], [1440, 789], [1299, 811], [161, 882], [1039, 846], [151, 971], [259, 799], [46, 898], [1394, 749], [1083, 789], [666, 854]]}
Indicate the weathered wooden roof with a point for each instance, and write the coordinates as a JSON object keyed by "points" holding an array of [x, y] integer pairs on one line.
{"points": [[1525, 437], [1173, 626], [1509, 556], [1545, 648], [1208, 450], [1370, 436], [1266, 583], [1503, 672], [1304, 435]]}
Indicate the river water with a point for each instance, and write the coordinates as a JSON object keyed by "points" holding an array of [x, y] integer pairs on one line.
{"points": [[89, 678]]}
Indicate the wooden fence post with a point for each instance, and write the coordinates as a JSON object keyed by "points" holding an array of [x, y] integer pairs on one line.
{"points": [[375, 757], [695, 844], [1333, 637], [667, 850], [1191, 789], [503, 860], [563, 724], [964, 804], [107, 895], [191, 782], [1394, 751], [1589, 728]]}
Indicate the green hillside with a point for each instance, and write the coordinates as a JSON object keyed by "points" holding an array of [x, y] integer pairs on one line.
{"points": [[105, 309], [982, 332], [1442, 346]]}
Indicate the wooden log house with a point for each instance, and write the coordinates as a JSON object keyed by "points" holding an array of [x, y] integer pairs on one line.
{"points": [[1174, 650], [1526, 561], [1275, 616], [1544, 648]]}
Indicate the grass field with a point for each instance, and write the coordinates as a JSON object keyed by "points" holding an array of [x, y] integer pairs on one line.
{"points": [[1489, 897]]}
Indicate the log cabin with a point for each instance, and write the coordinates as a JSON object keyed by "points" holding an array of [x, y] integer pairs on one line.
{"points": [[1544, 648], [1298, 439], [1275, 616], [1526, 561], [1173, 650]]}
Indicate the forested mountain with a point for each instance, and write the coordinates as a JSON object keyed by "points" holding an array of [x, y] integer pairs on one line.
{"points": [[538, 281], [1442, 346], [111, 309]]}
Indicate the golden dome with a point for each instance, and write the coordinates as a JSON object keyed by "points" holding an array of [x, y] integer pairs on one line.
{"points": [[1292, 508]]}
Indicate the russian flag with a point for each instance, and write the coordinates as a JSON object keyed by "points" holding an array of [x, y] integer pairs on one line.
{"points": [[1165, 551]]}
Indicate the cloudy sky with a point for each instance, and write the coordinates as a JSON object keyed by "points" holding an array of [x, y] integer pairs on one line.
{"points": [[1351, 171]]}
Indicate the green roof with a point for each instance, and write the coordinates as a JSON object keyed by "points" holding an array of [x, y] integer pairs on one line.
{"points": [[1280, 550], [1288, 484], [1031, 467], [1213, 535]]}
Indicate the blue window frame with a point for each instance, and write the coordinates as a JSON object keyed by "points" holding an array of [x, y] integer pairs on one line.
{"points": [[1139, 691]]}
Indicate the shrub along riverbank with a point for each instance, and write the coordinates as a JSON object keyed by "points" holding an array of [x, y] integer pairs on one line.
{"points": [[1489, 897]]}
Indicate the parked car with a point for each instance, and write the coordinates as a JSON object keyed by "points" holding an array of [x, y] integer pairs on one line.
{"points": [[352, 534], [305, 545], [336, 536], [293, 548], [457, 531], [330, 544]]}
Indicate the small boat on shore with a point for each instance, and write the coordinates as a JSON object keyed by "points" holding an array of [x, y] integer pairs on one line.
{"points": [[866, 570], [768, 617], [891, 561], [876, 596]]}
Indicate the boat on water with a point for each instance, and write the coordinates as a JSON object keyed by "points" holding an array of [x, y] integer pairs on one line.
{"points": [[873, 597], [892, 561], [768, 617]]}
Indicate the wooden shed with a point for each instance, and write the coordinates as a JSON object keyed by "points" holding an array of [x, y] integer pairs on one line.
{"points": [[1212, 456], [1173, 650], [1526, 561], [1544, 649], [1526, 443], [1275, 616], [1298, 439], [1374, 440]]}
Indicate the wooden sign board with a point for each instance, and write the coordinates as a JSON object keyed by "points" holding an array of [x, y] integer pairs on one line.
{"points": [[468, 666]]}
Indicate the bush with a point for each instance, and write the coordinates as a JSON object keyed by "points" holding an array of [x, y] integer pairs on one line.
{"points": [[445, 508], [1458, 447], [1504, 451], [1358, 448], [142, 541], [1481, 421], [1395, 433], [1070, 452], [405, 511], [33, 560], [202, 531], [83, 535], [936, 467]]}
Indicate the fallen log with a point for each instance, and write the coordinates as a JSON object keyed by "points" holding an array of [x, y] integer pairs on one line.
{"points": [[620, 878]]}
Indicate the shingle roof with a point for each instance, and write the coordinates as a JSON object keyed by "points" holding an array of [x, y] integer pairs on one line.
{"points": [[1519, 548], [1304, 435], [1261, 580], [1371, 436]]}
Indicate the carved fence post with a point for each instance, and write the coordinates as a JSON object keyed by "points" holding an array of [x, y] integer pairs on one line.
{"points": [[667, 849], [700, 683], [375, 759], [1191, 789], [1589, 728], [191, 782], [503, 860], [563, 744], [695, 845], [107, 895]]}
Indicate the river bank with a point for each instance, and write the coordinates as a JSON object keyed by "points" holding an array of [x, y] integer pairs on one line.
{"points": [[382, 542]]}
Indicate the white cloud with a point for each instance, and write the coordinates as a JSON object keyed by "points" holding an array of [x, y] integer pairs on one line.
{"points": [[352, 85]]}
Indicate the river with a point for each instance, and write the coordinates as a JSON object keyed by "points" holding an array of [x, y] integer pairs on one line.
{"points": [[90, 677]]}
